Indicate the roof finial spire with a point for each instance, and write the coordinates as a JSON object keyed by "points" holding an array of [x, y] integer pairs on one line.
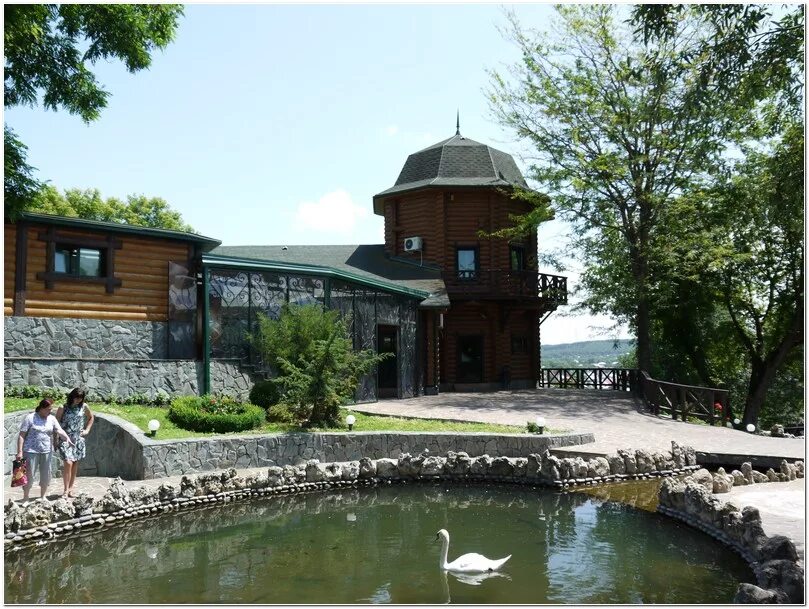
{"points": [[458, 122]]}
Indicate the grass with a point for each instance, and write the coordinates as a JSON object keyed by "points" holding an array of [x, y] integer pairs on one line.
{"points": [[140, 416]]}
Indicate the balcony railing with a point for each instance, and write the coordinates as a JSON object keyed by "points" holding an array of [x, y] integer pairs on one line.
{"points": [[506, 284]]}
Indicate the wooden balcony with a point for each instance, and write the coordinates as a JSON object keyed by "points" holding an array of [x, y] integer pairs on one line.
{"points": [[496, 284]]}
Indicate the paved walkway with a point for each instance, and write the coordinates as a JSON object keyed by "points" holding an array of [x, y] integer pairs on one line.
{"points": [[617, 420]]}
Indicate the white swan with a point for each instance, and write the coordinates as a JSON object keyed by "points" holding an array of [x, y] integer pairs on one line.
{"points": [[468, 563]]}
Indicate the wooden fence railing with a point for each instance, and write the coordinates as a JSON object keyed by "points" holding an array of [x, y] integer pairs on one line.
{"points": [[659, 396], [705, 403], [617, 379]]}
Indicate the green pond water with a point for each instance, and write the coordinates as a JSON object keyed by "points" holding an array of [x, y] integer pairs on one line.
{"points": [[377, 545]]}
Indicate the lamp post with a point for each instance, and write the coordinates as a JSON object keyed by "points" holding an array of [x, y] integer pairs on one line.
{"points": [[154, 425], [751, 428], [540, 422], [350, 420]]}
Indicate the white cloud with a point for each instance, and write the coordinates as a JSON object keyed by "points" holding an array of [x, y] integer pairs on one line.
{"points": [[334, 212]]}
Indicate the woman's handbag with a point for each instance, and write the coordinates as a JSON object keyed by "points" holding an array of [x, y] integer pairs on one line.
{"points": [[19, 472]]}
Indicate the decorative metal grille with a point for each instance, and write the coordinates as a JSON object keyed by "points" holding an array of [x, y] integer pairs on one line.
{"points": [[229, 294], [306, 290]]}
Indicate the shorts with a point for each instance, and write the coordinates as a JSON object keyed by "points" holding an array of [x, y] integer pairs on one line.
{"points": [[39, 462]]}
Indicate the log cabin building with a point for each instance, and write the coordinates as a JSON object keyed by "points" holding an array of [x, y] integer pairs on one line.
{"points": [[123, 309]]}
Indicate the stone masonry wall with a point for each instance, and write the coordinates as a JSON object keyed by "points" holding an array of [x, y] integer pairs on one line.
{"points": [[118, 448], [108, 358], [53, 337]]}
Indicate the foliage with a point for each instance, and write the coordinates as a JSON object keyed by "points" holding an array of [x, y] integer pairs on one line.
{"points": [[216, 414], [677, 154], [524, 225], [20, 186], [615, 135], [47, 49], [265, 394], [311, 352], [33, 391], [137, 210], [280, 413]]}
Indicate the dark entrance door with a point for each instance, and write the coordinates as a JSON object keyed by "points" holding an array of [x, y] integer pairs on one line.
{"points": [[387, 377], [470, 359]]}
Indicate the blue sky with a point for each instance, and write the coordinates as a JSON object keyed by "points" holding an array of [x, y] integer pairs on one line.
{"points": [[276, 124]]}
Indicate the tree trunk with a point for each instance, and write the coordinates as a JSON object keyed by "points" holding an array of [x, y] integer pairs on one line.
{"points": [[763, 370], [643, 338]]}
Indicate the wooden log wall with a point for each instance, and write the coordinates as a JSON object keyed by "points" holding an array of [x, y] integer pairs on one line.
{"points": [[447, 219], [141, 264], [486, 320], [10, 253]]}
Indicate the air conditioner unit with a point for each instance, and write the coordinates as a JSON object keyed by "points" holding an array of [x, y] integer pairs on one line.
{"points": [[412, 244]]}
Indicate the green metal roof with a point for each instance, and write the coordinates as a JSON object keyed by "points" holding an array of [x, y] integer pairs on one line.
{"points": [[364, 264], [205, 243]]}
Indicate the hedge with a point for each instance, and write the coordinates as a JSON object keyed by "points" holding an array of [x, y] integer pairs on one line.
{"points": [[212, 414]]}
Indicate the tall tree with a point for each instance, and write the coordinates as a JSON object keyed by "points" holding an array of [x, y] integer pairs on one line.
{"points": [[617, 136], [138, 210], [44, 60], [747, 225]]}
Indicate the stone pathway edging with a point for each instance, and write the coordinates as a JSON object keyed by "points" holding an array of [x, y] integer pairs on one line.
{"points": [[774, 559], [38, 520]]}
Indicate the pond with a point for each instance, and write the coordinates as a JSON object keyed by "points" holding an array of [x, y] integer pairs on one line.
{"points": [[377, 545]]}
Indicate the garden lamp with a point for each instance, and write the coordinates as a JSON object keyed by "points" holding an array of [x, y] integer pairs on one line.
{"points": [[751, 428], [540, 424], [154, 425], [350, 420]]}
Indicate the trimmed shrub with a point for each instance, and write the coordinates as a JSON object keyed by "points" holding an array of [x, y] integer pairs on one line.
{"points": [[217, 414], [280, 413], [265, 394]]}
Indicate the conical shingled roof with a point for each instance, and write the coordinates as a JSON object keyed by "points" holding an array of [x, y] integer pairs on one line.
{"points": [[457, 161]]}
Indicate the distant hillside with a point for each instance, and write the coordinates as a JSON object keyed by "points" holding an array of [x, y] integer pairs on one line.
{"points": [[585, 354]]}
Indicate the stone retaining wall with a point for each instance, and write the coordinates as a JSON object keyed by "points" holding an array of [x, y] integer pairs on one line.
{"points": [[118, 448], [773, 559]]}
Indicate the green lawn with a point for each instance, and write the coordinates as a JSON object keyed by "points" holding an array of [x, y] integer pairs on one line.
{"points": [[140, 416]]}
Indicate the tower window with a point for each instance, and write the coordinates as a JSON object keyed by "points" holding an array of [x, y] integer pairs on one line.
{"points": [[467, 262]]}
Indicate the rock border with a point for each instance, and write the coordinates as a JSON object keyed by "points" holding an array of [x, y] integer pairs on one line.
{"points": [[41, 519], [774, 560]]}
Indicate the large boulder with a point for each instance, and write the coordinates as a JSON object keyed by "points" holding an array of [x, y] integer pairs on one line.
{"points": [[275, 475], [458, 464], [747, 472], [759, 478], [788, 470], [351, 470], [702, 476], [62, 509], [480, 465], [387, 468], [677, 455], [778, 547], [432, 466], [617, 465], [116, 497], [550, 467], [598, 467], [315, 472], [722, 482], [367, 467], [533, 465], [645, 462], [36, 513], [410, 466], [783, 575], [738, 478], [501, 466], [777, 431], [630, 465], [751, 594]]}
